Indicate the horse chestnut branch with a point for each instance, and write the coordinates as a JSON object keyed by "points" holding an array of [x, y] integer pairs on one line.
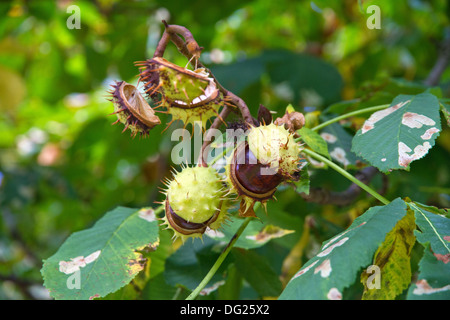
{"points": [[198, 197]]}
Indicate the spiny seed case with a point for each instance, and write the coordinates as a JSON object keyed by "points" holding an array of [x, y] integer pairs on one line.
{"points": [[189, 96], [194, 202], [132, 109], [258, 165]]}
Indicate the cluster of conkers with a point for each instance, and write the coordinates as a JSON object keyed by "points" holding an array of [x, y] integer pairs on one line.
{"points": [[197, 198]]}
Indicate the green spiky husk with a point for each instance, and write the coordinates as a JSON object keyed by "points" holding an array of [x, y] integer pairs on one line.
{"points": [[196, 195], [275, 146], [189, 96]]}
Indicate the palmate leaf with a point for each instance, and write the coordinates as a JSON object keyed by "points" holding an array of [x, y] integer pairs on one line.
{"points": [[394, 137], [97, 261], [326, 275]]}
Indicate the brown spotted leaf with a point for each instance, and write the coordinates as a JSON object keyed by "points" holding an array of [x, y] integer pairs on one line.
{"points": [[394, 137], [97, 261], [432, 282], [392, 261], [341, 258]]}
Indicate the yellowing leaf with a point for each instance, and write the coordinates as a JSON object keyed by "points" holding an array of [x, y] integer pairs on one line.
{"points": [[392, 260]]}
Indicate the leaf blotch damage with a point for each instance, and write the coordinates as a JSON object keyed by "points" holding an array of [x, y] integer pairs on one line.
{"points": [[147, 214], [334, 294], [268, 233], [422, 287], [415, 120], [328, 250], [303, 271], [324, 268], [445, 258], [340, 155], [404, 159], [379, 115], [76, 263], [429, 133], [328, 137]]}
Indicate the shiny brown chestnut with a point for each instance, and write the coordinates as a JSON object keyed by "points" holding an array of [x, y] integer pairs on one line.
{"points": [[247, 175]]}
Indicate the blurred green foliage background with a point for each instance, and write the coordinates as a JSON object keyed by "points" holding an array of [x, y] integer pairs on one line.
{"points": [[62, 164]]}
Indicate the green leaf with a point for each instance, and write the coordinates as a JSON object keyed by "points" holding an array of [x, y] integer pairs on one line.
{"points": [[257, 271], [311, 80], [393, 260], [433, 279], [404, 132], [326, 275], [302, 185], [339, 144], [191, 262], [255, 235], [95, 262], [314, 141], [250, 72], [445, 109], [232, 286], [158, 289], [434, 229]]}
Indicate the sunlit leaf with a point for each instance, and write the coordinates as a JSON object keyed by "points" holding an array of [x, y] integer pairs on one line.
{"points": [[314, 141]]}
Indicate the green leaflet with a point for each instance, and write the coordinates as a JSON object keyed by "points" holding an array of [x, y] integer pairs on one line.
{"points": [[326, 275], [433, 280], [314, 141], [257, 272], [445, 109], [97, 261], [394, 137], [434, 229], [393, 263], [339, 144], [303, 183], [188, 264]]}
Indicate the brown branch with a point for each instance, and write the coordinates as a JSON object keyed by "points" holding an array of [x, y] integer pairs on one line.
{"points": [[187, 47], [191, 50], [441, 64], [242, 106], [218, 121], [162, 44]]}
